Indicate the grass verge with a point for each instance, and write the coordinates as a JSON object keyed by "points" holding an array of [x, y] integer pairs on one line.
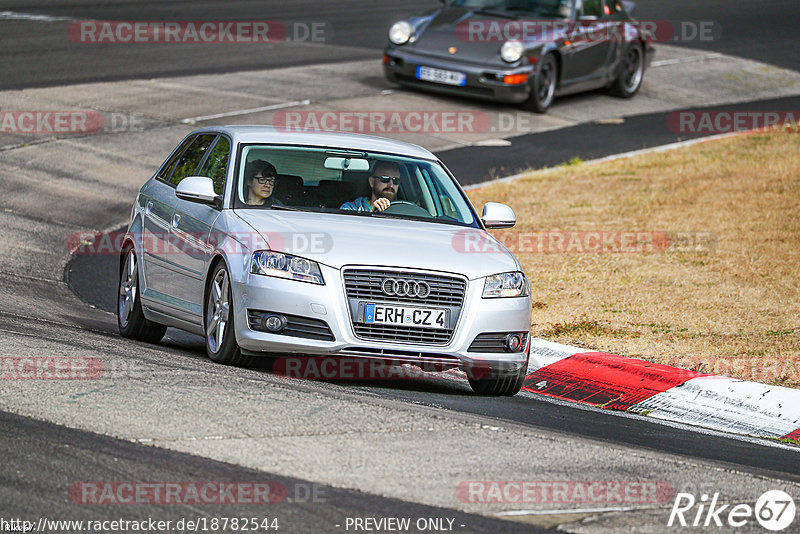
{"points": [[710, 277]]}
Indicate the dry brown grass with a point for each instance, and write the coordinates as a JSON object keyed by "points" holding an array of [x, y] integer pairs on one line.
{"points": [[733, 310]]}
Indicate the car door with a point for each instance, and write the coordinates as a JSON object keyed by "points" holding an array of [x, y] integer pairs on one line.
{"points": [[156, 203], [166, 280], [586, 56], [192, 226]]}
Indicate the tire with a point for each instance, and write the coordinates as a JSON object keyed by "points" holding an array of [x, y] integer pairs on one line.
{"points": [[543, 86], [220, 334], [131, 321], [505, 385], [631, 73]]}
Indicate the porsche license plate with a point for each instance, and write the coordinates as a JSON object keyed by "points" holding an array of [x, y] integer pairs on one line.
{"points": [[405, 316], [449, 77]]}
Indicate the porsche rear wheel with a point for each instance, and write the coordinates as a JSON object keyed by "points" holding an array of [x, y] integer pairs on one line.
{"points": [[631, 73]]}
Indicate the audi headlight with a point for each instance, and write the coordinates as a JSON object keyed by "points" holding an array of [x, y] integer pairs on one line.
{"points": [[400, 32], [270, 263], [505, 285], [511, 51]]}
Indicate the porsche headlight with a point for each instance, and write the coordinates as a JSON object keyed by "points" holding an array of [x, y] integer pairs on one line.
{"points": [[511, 51], [268, 263], [400, 32], [512, 284]]}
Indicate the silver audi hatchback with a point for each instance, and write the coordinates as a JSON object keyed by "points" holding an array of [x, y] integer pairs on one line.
{"points": [[276, 243]]}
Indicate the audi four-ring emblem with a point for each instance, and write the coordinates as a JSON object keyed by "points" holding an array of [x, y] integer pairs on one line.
{"points": [[405, 288]]}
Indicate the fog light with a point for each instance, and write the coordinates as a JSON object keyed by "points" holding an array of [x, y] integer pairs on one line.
{"points": [[274, 323], [513, 342]]}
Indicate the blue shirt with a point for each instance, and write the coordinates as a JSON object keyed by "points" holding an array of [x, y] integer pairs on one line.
{"points": [[359, 204]]}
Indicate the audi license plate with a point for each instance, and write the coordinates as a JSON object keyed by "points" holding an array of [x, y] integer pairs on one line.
{"points": [[405, 316], [448, 77]]}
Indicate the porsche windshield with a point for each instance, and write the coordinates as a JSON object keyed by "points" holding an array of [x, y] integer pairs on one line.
{"points": [[350, 183], [542, 8]]}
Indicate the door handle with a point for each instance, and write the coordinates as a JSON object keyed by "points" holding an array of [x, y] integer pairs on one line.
{"points": [[175, 220]]}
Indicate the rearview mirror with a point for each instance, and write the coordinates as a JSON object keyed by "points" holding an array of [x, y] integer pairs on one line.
{"points": [[198, 189], [347, 164], [497, 215]]}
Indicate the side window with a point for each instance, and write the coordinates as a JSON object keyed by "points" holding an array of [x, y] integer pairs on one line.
{"points": [[592, 8], [167, 169], [191, 158], [216, 165]]}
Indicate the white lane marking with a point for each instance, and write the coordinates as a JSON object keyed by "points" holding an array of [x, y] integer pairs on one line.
{"points": [[690, 59], [559, 512], [13, 15], [193, 120]]}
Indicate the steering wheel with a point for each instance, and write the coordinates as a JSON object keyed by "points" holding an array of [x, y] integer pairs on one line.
{"points": [[403, 207]]}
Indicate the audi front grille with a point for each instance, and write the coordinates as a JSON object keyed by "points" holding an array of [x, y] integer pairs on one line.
{"points": [[416, 289]]}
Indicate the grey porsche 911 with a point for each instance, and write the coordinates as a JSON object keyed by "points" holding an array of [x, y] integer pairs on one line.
{"points": [[524, 52]]}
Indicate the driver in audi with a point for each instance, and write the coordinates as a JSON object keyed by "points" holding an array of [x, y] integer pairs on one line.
{"points": [[384, 182]]}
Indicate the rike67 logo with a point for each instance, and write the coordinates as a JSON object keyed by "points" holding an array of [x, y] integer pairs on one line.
{"points": [[774, 510]]}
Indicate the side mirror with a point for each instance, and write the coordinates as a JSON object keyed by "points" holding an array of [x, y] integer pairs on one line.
{"points": [[198, 189], [496, 215]]}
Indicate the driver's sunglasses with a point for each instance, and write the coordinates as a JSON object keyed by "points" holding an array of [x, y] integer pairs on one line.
{"points": [[265, 179], [387, 179]]}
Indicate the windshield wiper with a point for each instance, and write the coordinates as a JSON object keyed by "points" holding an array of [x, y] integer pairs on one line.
{"points": [[501, 14]]}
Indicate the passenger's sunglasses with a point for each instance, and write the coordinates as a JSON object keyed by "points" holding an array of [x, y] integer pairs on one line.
{"points": [[387, 179], [265, 179]]}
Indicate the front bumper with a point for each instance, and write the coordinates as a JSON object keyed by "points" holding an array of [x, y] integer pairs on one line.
{"points": [[328, 303], [482, 81]]}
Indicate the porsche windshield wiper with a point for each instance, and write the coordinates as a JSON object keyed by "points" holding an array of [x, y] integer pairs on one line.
{"points": [[493, 13]]}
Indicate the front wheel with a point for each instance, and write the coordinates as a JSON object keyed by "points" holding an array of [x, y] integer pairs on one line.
{"points": [[543, 86], [131, 321], [221, 344], [631, 73]]}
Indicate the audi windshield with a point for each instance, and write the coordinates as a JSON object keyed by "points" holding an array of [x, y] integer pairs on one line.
{"points": [[349, 183]]}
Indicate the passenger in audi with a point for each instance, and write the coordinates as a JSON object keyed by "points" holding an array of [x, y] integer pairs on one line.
{"points": [[260, 180], [384, 182]]}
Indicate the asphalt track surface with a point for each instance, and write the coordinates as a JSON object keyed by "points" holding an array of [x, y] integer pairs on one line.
{"points": [[93, 278], [38, 54], [40, 458], [61, 461]]}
